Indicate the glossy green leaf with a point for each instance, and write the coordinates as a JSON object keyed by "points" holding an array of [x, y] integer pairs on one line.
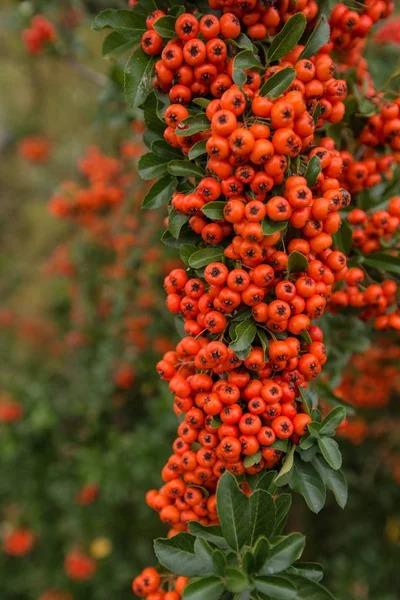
{"points": [[319, 36], [275, 587], [313, 170], [284, 553], [330, 451], [129, 23], [151, 166], [242, 61], [175, 223], [198, 149], [262, 515], [214, 210], [160, 193], [233, 511], [343, 238], [269, 227], [245, 334], [288, 37], [192, 125], [138, 77], [115, 45], [278, 83], [306, 481], [206, 587], [282, 506], [297, 262], [333, 420], [203, 257], [184, 168], [177, 555], [310, 590], [335, 481], [165, 26]]}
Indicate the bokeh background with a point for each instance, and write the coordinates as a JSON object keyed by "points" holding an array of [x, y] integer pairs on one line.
{"points": [[84, 423]]}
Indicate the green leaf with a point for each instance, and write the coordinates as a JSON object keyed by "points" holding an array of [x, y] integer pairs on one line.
{"points": [[333, 420], [276, 587], [165, 26], [262, 481], [313, 571], [262, 336], [242, 315], [306, 481], [314, 429], [318, 38], [198, 149], [310, 590], [211, 533], [343, 238], [288, 37], [130, 24], [216, 421], [283, 445], [245, 334], [287, 465], [203, 257], [297, 262], [236, 580], [282, 506], [186, 236], [313, 170], [204, 551], [335, 481], [330, 451], [284, 553], [242, 61], [233, 511], [177, 555], [252, 460], [384, 262], [151, 166], [160, 193], [307, 400], [214, 210], [202, 102], [175, 223], [262, 515], [260, 553], [316, 113], [206, 587], [163, 150], [184, 168], [278, 83], [138, 77], [186, 251], [115, 44], [192, 125], [241, 41], [269, 227]]}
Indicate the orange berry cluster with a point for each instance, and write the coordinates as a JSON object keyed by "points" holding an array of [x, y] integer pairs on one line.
{"points": [[350, 26], [384, 127], [39, 34], [148, 584], [368, 171], [372, 230]]}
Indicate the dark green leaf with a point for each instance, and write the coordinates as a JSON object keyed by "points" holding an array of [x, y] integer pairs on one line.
{"points": [[252, 460], [212, 533], [307, 400], [203, 257], [163, 150], [269, 227], [284, 553], [241, 41], [330, 451], [288, 37], [184, 168], [115, 44], [198, 149], [138, 77], [297, 262], [242, 61], [314, 428], [214, 210], [192, 125], [160, 193], [333, 420], [278, 83], [260, 553], [262, 515], [334, 481], [276, 587], [313, 170], [151, 166], [186, 251], [204, 551], [287, 464], [313, 571], [175, 223], [306, 481], [165, 26], [206, 587], [282, 506], [245, 334], [318, 38], [262, 336], [310, 590], [236, 580], [177, 555], [233, 511], [130, 24]]}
